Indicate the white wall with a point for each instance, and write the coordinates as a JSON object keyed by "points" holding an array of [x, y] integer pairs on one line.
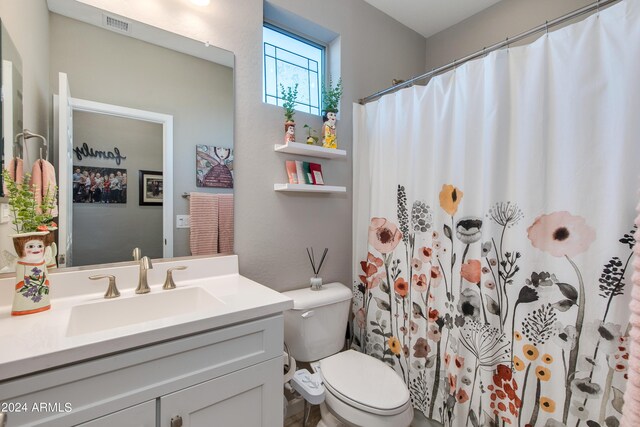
{"points": [[272, 229]]}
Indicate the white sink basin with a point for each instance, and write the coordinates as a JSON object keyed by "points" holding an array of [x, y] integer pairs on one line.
{"points": [[115, 313]]}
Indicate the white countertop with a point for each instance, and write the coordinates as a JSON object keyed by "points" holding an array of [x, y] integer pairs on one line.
{"points": [[40, 341]]}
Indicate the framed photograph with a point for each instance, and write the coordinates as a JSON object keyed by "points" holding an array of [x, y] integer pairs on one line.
{"points": [[214, 166], [151, 188], [96, 184]]}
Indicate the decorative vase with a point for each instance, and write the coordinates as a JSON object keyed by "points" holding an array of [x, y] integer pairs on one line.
{"points": [[316, 283], [51, 251], [289, 132], [32, 285], [329, 139]]}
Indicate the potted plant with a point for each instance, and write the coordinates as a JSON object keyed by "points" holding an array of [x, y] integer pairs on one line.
{"points": [[312, 139], [32, 222], [330, 99], [289, 97]]}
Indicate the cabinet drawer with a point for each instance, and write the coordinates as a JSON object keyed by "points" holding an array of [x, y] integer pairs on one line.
{"points": [[143, 415], [251, 397], [108, 384]]}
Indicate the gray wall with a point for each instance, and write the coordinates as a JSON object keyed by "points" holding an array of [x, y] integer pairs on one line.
{"points": [[32, 43], [107, 67], [105, 233], [272, 229], [494, 24]]}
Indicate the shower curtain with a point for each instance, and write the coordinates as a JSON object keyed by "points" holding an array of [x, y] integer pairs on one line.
{"points": [[494, 227]]}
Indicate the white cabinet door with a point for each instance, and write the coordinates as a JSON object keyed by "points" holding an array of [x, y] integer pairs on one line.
{"points": [[142, 415], [251, 397]]}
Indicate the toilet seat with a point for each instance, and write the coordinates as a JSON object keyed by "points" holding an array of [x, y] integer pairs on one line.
{"points": [[365, 383]]}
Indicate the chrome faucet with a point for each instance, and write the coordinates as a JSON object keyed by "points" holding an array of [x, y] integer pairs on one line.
{"points": [[143, 285]]}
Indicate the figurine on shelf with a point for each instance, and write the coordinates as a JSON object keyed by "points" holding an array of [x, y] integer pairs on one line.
{"points": [[311, 138], [329, 130], [289, 97], [290, 134], [330, 99]]}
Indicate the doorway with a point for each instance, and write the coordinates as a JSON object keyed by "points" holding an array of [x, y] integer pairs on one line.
{"points": [[68, 110]]}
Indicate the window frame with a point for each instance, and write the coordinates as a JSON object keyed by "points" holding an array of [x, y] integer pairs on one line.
{"points": [[322, 68]]}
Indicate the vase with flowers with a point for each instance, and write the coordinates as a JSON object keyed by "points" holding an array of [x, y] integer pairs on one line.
{"points": [[33, 223], [289, 97]]}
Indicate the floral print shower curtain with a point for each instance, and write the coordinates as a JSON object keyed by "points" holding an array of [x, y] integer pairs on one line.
{"points": [[493, 230]]}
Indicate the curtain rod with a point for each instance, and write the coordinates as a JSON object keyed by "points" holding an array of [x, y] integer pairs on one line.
{"points": [[544, 27]]}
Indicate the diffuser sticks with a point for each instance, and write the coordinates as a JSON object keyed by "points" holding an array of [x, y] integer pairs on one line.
{"points": [[312, 259]]}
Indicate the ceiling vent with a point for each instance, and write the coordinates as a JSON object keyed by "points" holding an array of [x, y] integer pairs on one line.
{"points": [[116, 24]]}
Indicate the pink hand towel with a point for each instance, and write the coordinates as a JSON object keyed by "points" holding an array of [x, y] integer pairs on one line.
{"points": [[203, 209], [631, 409], [43, 177], [225, 223], [15, 167]]}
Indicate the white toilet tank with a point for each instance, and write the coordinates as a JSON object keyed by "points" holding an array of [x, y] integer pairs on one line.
{"points": [[315, 327]]}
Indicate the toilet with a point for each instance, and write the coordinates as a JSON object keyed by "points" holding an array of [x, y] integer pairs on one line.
{"points": [[360, 390]]}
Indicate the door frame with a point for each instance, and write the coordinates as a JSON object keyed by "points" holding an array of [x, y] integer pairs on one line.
{"points": [[166, 120]]}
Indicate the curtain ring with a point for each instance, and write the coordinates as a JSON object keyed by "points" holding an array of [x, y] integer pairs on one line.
{"points": [[507, 41], [546, 27]]}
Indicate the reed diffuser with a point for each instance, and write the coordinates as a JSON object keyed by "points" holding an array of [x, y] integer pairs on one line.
{"points": [[315, 281]]}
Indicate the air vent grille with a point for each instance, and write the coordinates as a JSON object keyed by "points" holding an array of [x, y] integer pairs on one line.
{"points": [[115, 24]]}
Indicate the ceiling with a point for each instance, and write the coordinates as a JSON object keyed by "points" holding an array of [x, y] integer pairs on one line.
{"points": [[429, 17]]}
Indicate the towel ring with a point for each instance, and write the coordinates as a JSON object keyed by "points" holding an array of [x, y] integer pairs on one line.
{"points": [[27, 134]]}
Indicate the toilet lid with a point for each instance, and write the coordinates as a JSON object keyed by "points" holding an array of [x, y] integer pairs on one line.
{"points": [[364, 380]]}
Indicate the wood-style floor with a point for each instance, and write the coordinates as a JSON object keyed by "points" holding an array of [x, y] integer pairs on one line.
{"points": [[314, 417], [296, 419]]}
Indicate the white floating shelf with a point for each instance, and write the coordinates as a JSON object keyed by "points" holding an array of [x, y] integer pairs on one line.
{"points": [[308, 188], [310, 150]]}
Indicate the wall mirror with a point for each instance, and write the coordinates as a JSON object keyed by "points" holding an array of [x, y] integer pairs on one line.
{"points": [[11, 96], [140, 117]]}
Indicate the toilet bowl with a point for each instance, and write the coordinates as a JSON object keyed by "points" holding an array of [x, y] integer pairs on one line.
{"points": [[360, 390], [363, 391]]}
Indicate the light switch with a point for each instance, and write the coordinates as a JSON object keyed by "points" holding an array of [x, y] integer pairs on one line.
{"points": [[4, 213], [183, 221]]}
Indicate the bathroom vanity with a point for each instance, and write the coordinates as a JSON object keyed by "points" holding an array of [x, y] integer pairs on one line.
{"points": [[206, 353]]}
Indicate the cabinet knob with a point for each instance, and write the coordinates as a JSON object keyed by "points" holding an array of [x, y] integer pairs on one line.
{"points": [[176, 421]]}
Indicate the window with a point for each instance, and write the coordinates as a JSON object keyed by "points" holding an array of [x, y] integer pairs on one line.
{"points": [[290, 59]]}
